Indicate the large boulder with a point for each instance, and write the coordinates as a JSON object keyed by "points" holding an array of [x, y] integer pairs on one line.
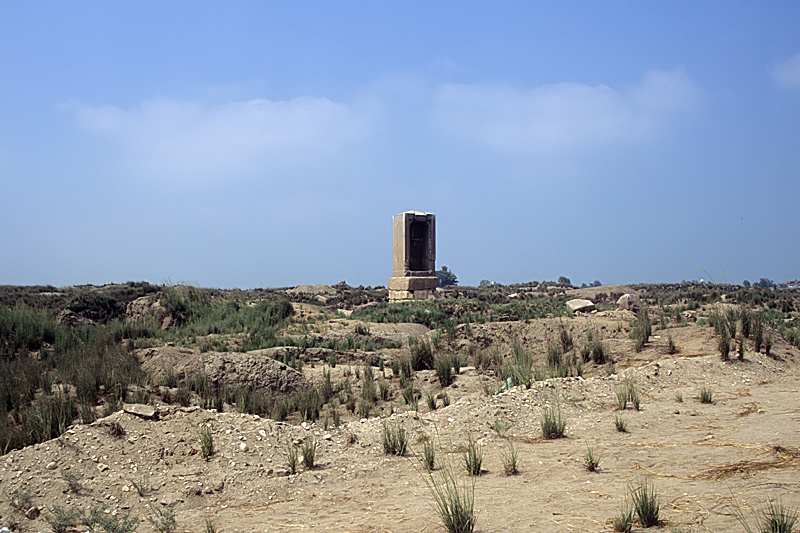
{"points": [[580, 306], [629, 302]]}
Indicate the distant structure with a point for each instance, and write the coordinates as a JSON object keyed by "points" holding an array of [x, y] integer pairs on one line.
{"points": [[414, 257]]}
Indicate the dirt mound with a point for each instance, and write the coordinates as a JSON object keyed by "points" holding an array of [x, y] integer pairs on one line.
{"points": [[226, 369]]}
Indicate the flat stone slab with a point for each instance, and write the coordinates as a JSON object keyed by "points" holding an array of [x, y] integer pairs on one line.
{"points": [[580, 306], [140, 409]]}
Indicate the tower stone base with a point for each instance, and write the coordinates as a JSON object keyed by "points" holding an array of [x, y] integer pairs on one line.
{"points": [[412, 288]]}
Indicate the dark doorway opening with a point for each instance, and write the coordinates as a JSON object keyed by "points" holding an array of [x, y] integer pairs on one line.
{"points": [[418, 246]]}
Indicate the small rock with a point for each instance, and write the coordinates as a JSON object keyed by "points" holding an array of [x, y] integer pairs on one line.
{"points": [[32, 513], [51, 465], [243, 446], [140, 410], [102, 467]]}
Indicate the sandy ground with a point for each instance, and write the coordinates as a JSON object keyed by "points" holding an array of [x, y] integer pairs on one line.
{"points": [[700, 457]]}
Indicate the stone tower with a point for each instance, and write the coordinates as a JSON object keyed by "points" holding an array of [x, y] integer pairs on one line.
{"points": [[414, 257]]}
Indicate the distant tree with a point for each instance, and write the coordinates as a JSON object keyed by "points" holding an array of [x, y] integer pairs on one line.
{"points": [[765, 283], [595, 283], [564, 280], [583, 285], [746, 283], [446, 277], [485, 283]]}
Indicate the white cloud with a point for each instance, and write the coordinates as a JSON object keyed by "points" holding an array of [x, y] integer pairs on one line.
{"points": [[190, 142], [564, 115], [787, 72]]}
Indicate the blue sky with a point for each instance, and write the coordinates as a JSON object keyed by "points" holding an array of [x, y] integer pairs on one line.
{"points": [[265, 144]]}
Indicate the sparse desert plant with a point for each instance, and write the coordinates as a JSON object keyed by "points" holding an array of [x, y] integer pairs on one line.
{"points": [[420, 353], [163, 519], [595, 349], [511, 461], [552, 422], [457, 362], [775, 518], [706, 395], [501, 426], [333, 410], [410, 394], [732, 318], [436, 338], [645, 503], [628, 393], [758, 331], [746, 320], [623, 522], [383, 389], [641, 329], [473, 457], [94, 517], [679, 396], [19, 499], [364, 409], [394, 439], [740, 344], [62, 520], [724, 344], [72, 480], [633, 394], [768, 343], [119, 523], [309, 450], [182, 396], [209, 526], [591, 461], [454, 502], [292, 458], [620, 423], [430, 399], [428, 454], [672, 349], [206, 441], [142, 486], [622, 398], [565, 336], [368, 393], [443, 364], [555, 357]]}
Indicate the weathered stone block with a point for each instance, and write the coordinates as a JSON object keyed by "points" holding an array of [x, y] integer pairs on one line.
{"points": [[413, 283], [580, 306]]}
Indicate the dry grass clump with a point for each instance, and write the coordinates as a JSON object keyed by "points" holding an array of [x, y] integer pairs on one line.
{"points": [[454, 502], [553, 424], [473, 457], [394, 439]]}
